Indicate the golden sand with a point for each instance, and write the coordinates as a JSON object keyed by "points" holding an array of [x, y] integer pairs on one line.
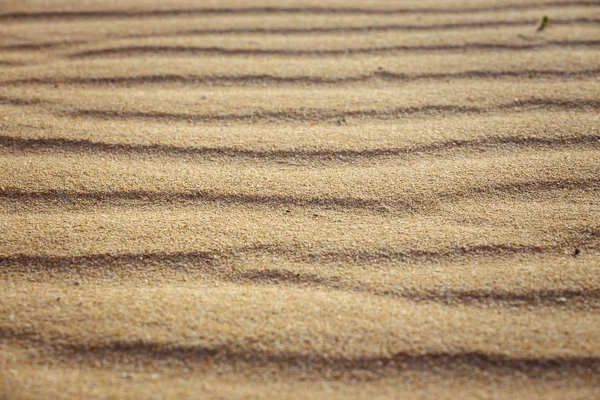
{"points": [[299, 199]]}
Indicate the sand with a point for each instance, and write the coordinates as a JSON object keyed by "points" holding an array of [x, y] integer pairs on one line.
{"points": [[299, 199]]}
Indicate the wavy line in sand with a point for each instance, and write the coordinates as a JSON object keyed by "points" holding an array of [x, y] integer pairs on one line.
{"points": [[583, 298], [553, 297], [315, 30], [219, 261], [366, 28], [317, 115], [33, 46], [80, 146], [407, 204], [239, 355], [305, 31], [39, 46], [264, 79], [335, 116], [213, 50], [288, 10], [221, 265], [206, 266], [15, 101]]}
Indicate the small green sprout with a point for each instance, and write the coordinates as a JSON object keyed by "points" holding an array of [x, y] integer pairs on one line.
{"points": [[543, 24]]}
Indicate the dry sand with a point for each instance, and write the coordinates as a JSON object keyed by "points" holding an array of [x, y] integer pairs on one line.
{"points": [[283, 199]]}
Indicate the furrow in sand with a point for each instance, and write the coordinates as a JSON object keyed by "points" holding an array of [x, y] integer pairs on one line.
{"points": [[406, 203], [214, 50], [76, 146], [110, 14], [266, 79], [314, 30], [292, 143], [333, 116], [237, 266], [298, 103], [218, 261], [230, 67], [561, 297], [232, 354], [15, 101], [366, 28], [70, 181], [38, 46], [149, 38]]}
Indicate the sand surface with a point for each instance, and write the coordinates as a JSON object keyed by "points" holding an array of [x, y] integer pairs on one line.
{"points": [[285, 199]]}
